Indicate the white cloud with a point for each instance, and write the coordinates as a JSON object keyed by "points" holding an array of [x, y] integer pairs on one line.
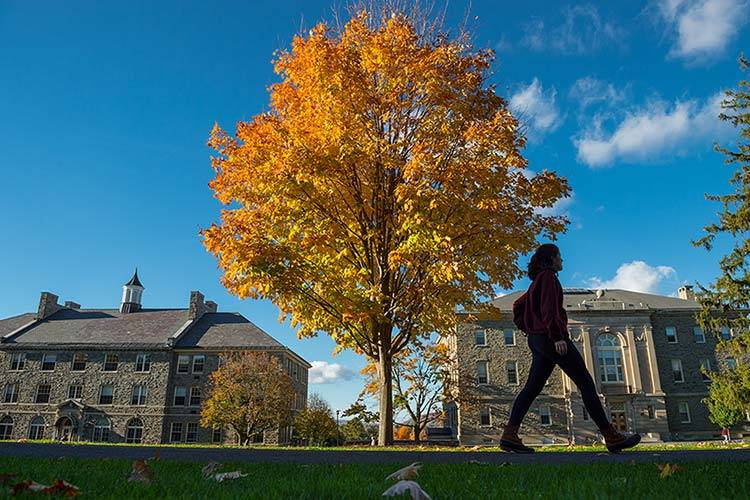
{"points": [[537, 108], [589, 91], [581, 31], [703, 28], [653, 131], [323, 372], [636, 276]]}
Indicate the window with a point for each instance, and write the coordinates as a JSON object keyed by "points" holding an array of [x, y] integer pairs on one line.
{"points": [[75, 391], [482, 372], [101, 430], [295, 370], [698, 335], [6, 427], [143, 363], [705, 364], [175, 435], [216, 437], [110, 362], [199, 362], [609, 357], [183, 363], [134, 431], [180, 395], [677, 371], [509, 337], [726, 333], [731, 363], [191, 435], [138, 397], [42, 393], [11, 393], [18, 361], [651, 412], [48, 362], [585, 414], [480, 337], [684, 412], [106, 394], [512, 369], [671, 334], [484, 416], [195, 396], [545, 415], [79, 362], [36, 429]]}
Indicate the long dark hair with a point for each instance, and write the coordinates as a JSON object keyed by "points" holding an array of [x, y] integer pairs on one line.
{"points": [[542, 259]]}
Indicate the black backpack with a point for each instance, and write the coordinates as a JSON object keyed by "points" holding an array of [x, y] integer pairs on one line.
{"points": [[519, 307]]}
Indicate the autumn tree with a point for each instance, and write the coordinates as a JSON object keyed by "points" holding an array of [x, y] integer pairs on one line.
{"points": [[354, 430], [725, 302], [383, 188], [315, 423], [249, 393]]}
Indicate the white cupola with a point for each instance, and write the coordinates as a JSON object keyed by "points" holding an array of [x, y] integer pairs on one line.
{"points": [[131, 295]]}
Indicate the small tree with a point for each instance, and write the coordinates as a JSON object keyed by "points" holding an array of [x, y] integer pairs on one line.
{"points": [[250, 393], [354, 430], [727, 397], [315, 423]]}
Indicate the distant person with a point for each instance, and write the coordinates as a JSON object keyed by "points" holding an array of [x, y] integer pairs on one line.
{"points": [[540, 314], [725, 435]]}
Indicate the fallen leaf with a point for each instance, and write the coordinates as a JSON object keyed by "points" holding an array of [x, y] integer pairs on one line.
{"points": [[64, 487], [26, 485], [141, 472], [667, 469], [408, 472], [474, 448], [401, 487], [210, 468], [229, 475]]}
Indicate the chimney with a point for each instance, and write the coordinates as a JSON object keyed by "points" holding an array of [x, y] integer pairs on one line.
{"points": [[211, 306], [72, 305], [197, 306], [47, 305], [686, 292]]}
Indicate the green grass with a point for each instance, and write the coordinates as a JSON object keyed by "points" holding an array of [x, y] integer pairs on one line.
{"points": [[703, 445], [108, 479]]}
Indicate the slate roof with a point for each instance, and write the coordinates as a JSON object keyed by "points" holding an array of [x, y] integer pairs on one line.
{"points": [[611, 300], [146, 328], [225, 329]]}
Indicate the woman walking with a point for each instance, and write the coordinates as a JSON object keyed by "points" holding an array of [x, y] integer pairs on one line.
{"points": [[539, 313]]}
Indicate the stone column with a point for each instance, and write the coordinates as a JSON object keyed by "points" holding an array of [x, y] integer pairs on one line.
{"points": [[653, 367], [588, 355], [635, 373]]}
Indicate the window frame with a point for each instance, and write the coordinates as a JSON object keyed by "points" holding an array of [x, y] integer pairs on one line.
{"points": [[515, 370], [191, 396], [202, 357], [486, 365], [178, 427], [19, 359], [679, 410], [220, 439], [136, 429], [184, 396], [512, 336], [682, 371], [73, 362], [728, 330], [41, 428], [13, 395], [101, 394], [483, 332], [695, 337], [541, 415], [707, 366], [107, 363], [144, 360], [6, 427], [666, 329], [37, 393], [71, 386], [614, 352], [102, 431], [194, 426], [45, 361], [141, 397], [488, 414], [186, 365]]}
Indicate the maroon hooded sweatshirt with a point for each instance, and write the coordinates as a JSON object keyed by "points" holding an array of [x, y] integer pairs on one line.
{"points": [[539, 310]]}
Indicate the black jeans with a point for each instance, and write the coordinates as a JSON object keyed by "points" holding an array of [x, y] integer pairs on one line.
{"points": [[544, 359]]}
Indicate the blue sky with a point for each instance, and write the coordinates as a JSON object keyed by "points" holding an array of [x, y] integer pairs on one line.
{"points": [[106, 110]]}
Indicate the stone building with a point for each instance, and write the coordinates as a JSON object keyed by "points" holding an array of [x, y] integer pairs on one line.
{"points": [[644, 352], [130, 375]]}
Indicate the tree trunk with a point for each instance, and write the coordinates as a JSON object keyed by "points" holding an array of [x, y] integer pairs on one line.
{"points": [[416, 433], [385, 374]]}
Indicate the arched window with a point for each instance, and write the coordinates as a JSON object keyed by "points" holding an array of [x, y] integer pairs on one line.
{"points": [[101, 430], [6, 427], [609, 357], [36, 429], [134, 431]]}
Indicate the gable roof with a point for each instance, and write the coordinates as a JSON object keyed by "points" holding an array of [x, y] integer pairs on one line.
{"points": [[225, 329], [9, 325], [612, 299]]}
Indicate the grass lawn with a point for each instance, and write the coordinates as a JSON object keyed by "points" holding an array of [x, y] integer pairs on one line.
{"points": [[703, 445], [108, 479]]}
